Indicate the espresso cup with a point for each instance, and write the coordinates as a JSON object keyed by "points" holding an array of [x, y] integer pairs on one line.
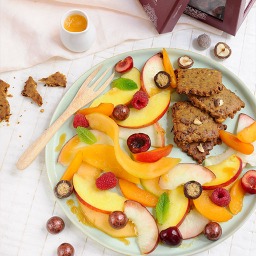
{"points": [[77, 32]]}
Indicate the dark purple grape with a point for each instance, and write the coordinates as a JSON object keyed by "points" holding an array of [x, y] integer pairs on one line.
{"points": [[171, 236]]}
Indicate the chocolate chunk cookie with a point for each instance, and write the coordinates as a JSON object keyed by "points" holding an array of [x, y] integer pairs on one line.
{"points": [[220, 106], [4, 104], [198, 81]]}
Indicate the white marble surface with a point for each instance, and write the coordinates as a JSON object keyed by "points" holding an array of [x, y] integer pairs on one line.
{"points": [[26, 199]]}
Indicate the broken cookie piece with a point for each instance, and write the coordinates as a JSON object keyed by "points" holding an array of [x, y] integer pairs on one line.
{"points": [[220, 106], [4, 104], [55, 80], [31, 91]]}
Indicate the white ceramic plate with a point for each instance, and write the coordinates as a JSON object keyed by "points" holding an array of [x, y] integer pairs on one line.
{"points": [[188, 247]]}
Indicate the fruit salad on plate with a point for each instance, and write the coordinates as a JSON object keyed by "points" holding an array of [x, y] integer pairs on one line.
{"points": [[127, 183]]}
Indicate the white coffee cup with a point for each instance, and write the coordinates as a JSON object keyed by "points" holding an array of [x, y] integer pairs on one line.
{"points": [[77, 41]]}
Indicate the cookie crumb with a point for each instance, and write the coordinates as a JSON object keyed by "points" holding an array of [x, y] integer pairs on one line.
{"points": [[55, 80]]}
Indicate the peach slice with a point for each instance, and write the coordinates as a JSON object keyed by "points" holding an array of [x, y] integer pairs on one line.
{"points": [[168, 68], [156, 108], [145, 225], [237, 196], [103, 157], [117, 96], [152, 185], [140, 170], [232, 141], [151, 67], [209, 210], [177, 210], [103, 108], [153, 155], [73, 145], [226, 172], [86, 170], [184, 172], [133, 192], [100, 221], [100, 200], [248, 134]]}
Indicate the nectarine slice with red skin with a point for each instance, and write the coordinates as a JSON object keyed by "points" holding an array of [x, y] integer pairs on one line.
{"points": [[100, 221], [232, 141], [209, 210], [99, 200], [193, 224], [153, 155], [145, 225], [226, 172], [133, 192], [103, 108], [237, 196], [248, 134]]}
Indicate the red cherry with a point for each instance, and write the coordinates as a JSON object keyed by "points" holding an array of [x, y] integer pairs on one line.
{"points": [[248, 182], [124, 65]]}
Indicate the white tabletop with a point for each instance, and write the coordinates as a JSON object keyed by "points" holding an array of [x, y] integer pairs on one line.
{"points": [[26, 198]]}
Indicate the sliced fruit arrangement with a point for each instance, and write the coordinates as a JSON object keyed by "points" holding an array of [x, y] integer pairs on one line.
{"points": [[120, 168]]}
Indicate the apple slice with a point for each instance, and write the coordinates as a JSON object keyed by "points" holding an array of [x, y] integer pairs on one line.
{"points": [[155, 131], [184, 172], [73, 145], [117, 96], [145, 224], [226, 172], [99, 200], [193, 225], [151, 67], [177, 209], [100, 221], [157, 107]]}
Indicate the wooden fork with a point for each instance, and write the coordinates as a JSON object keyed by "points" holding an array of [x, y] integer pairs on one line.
{"points": [[84, 95]]}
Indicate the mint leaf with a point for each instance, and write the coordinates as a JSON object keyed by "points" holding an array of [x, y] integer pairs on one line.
{"points": [[125, 84], [85, 135], [162, 207]]}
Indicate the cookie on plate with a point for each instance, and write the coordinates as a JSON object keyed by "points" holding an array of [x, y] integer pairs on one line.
{"points": [[190, 124], [198, 81], [31, 91], [4, 104], [220, 106], [55, 80], [198, 150]]}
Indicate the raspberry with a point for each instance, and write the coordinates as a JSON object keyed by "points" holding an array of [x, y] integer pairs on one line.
{"points": [[139, 100], [80, 120], [220, 196], [106, 181]]}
